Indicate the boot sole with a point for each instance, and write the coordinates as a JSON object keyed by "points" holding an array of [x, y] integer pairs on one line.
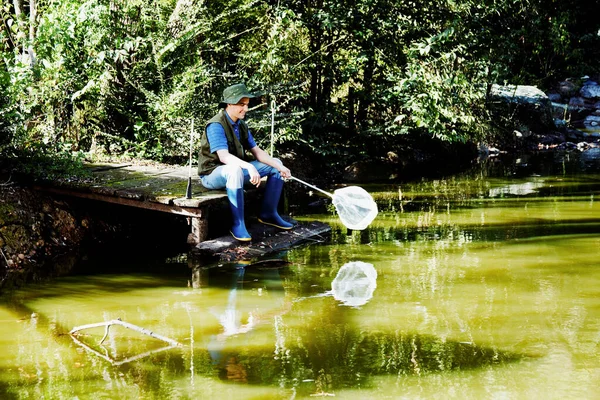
{"points": [[275, 225], [240, 239]]}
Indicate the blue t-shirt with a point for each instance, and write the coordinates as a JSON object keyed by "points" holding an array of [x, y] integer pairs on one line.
{"points": [[217, 139]]}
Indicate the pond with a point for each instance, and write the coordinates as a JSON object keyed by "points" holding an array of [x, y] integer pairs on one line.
{"points": [[480, 285]]}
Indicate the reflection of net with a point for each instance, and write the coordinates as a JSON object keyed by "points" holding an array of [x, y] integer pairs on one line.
{"points": [[354, 283], [355, 207]]}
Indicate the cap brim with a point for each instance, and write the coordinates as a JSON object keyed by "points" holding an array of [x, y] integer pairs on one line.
{"points": [[235, 100]]}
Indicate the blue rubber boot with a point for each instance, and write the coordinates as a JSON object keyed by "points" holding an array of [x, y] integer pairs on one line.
{"points": [[268, 214], [236, 202]]}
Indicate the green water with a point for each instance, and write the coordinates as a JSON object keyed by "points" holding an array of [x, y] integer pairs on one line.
{"points": [[486, 287]]}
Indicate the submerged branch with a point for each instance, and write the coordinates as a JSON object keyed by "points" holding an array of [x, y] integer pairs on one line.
{"points": [[127, 325]]}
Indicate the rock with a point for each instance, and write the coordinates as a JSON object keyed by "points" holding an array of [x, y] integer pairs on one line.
{"points": [[578, 109], [23, 229], [576, 102], [551, 139], [574, 134], [555, 97], [590, 90], [567, 146], [582, 146], [592, 135], [591, 154], [524, 108], [393, 157], [560, 123], [592, 122], [369, 171], [485, 149], [567, 89], [521, 94]]}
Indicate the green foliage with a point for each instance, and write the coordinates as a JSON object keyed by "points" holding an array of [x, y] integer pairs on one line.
{"points": [[438, 91], [119, 77], [8, 115], [537, 42]]}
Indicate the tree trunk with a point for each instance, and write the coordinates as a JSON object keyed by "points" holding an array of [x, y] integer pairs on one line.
{"points": [[18, 8], [11, 41], [314, 71], [32, 18], [326, 81], [351, 124], [367, 91]]}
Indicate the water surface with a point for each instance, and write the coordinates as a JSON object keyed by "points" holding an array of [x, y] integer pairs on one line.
{"points": [[484, 285]]}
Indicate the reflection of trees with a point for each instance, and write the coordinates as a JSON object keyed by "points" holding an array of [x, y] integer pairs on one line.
{"points": [[474, 220], [329, 354], [319, 347]]}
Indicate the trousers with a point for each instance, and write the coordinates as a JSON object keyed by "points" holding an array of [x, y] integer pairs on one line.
{"points": [[234, 177]]}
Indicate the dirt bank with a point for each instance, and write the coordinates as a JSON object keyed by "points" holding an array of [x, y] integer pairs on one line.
{"points": [[42, 236], [35, 230]]}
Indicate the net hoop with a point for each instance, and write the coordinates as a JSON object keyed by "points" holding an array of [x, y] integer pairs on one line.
{"points": [[355, 207]]}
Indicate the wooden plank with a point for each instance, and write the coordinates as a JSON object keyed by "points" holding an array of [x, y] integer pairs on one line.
{"points": [[188, 212], [104, 167], [197, 201], [265, 240], [161, 185], [199, 230]]}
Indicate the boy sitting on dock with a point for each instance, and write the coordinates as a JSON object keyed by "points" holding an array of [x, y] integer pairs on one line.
{"points": [[223, 164]]}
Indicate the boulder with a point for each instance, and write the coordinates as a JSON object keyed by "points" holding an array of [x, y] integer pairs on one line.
{"points": [[577, 102], [555, 97], [523, 108], [592, 122], [590, 90], [567, 89], [369, 171]]}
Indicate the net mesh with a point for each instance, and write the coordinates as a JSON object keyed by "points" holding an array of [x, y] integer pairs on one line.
{"points": [[354, 283], [355, 207]]}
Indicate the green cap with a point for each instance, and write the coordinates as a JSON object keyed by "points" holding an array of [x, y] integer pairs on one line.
{"points": [[234, 93]]}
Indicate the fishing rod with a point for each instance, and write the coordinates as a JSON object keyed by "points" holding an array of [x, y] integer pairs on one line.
{"points": [[188, 192]]}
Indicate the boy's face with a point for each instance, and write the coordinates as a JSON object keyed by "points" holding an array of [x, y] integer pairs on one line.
{"points": [[238, 111]]}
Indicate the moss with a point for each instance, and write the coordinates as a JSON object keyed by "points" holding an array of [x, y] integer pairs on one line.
{"points": [[16, 238], [6, 211]]}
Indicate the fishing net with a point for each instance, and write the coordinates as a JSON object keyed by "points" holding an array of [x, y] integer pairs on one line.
{"points": [[354, 283], [354, 205]]}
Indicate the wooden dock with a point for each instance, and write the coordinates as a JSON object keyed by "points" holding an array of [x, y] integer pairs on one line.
{"points": [[266, 241], [162, 188]]}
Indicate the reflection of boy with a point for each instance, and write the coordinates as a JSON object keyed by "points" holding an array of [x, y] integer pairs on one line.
{"points": [[232, 320]]}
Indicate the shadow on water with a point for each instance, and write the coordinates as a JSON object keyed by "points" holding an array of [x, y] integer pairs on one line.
{"points": [[341, 357], [96, 285], [6, 389]]}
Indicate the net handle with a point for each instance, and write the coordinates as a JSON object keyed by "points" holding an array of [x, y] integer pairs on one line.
{"points": [[311, 186]]}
